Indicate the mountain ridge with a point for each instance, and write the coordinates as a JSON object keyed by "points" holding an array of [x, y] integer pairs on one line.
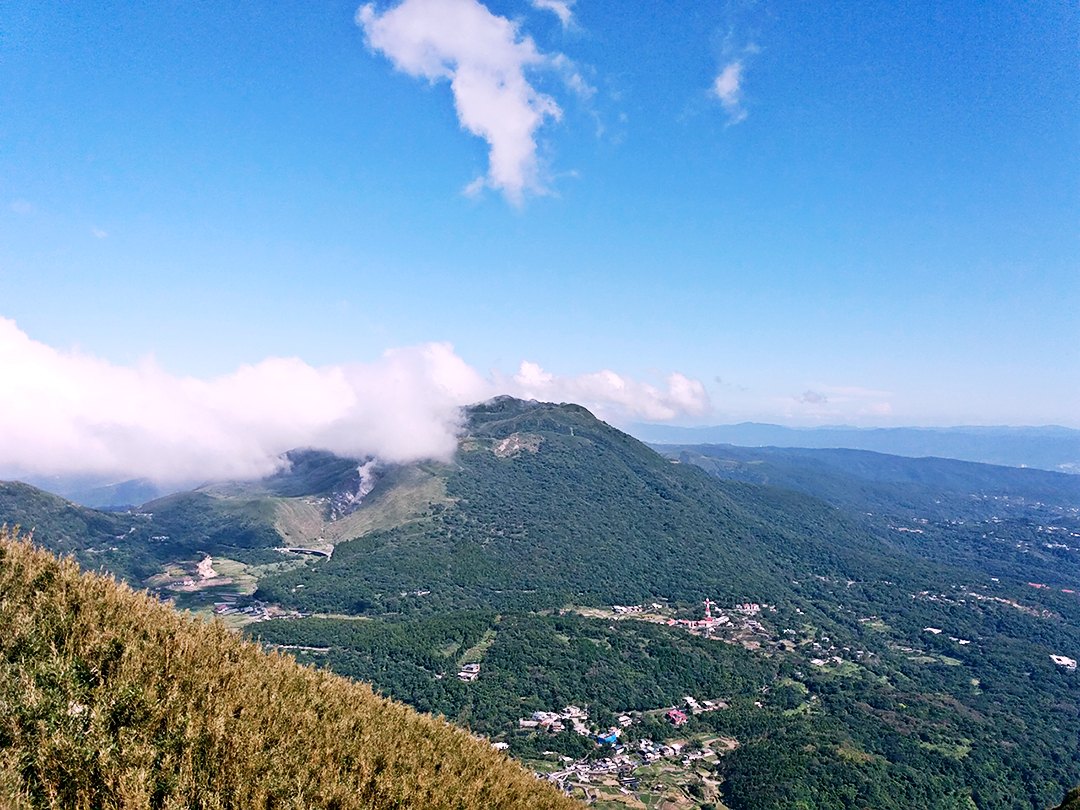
{"points": [[1049, 448]]}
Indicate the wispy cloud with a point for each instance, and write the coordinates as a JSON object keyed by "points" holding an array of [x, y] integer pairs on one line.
{"points": [[728, 88], [484, 58], [572, 77], [77, 414], [559, 8], [21, 206], [100, 234]]}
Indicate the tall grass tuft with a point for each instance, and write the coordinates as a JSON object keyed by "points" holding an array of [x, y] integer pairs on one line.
{"points": [[110, 699]]}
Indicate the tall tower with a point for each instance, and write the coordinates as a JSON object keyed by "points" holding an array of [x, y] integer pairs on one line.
{"points": [[708, 608]]}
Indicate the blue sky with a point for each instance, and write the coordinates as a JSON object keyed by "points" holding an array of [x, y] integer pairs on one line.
{"points": [[821, 213]]}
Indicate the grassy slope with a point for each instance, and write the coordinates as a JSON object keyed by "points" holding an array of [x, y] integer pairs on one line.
{"points": [[405, 493], [110, 699]]}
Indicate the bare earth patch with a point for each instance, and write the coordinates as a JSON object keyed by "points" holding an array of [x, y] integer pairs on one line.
{"points": [[515, 443]]}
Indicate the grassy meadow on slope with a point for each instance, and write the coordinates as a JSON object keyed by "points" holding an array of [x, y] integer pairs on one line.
{"points": [[111, 699]]}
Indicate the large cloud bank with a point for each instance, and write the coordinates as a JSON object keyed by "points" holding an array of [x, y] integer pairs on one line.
{"points": [[485, 60], [69, 413]]}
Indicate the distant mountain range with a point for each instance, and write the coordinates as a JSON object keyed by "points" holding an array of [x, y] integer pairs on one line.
{"points": [[94, 491], [1046, 448], [991, 518]]}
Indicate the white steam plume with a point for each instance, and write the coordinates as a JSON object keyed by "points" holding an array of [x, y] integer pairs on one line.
{"points": [[66, 413]]}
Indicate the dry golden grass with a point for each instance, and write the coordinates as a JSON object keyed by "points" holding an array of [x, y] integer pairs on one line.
{"points": [[111, 699]]}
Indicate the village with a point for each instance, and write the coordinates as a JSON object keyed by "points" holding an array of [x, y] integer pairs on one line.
{"points": [[618, 770], [632, 773], [738, 624], [577, 718]]}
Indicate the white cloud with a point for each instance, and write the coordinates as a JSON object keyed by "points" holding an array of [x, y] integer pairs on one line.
{"points": [[559, 8], [100, 234], [484, 59], [611, 395], [22, 207], [812, 397], [728, 88], [69, 413], [832, 403]]}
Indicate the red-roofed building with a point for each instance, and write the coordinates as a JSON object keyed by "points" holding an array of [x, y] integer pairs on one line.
{"points": [[676, 717]]}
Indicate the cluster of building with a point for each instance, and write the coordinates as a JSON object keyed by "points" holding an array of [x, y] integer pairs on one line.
{"points": [[622, 765], [677, 716], [624, 609], [256, 611], [626, 758], [585, 771], [575, 716], [704, 625], [650, 751]]}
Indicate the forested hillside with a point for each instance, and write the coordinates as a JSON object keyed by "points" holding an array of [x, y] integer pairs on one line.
{"points": [[549, 505], [1006, 521]]}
